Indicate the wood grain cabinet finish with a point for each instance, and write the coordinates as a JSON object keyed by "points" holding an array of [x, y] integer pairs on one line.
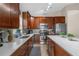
{"points": [[14, 15], [51, 21], [37, 39], [9, 15], [35, 23], [59, 51], [55, 50], [26, 20], [59, 19], [4, 15], [21, 51], [50, 49], [24, 50]]}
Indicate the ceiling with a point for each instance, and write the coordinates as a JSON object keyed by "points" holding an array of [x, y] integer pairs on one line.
{"points": [[39, 9]]}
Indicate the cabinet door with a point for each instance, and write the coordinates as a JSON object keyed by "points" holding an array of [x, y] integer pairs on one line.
{"points": [[60, 19], [50, 22], [37, 39], [47, 20], [50, 47], [9, 16], [32, 23], [43, 19], [14, 15], [60, 51], [36, 23], [5, 15], [26, 19]]}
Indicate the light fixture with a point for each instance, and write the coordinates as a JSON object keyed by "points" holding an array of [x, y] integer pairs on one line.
{"points": [[48, 6]]}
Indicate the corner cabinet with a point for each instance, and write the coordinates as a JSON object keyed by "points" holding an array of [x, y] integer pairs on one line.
{"points": [[9, 15]]}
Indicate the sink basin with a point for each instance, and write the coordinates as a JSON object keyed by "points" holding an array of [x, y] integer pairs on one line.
{"points": [[25, 36]]}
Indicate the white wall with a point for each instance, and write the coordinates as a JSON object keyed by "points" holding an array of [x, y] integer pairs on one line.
{"points": [[71, 13], [72, 6], [73, 22]]}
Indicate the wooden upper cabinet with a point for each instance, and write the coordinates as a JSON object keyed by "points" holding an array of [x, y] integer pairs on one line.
{"points": [[59, 19], [9, 15], [34, 23], [14, 15], [43, 20], [51, 21], [47, 20], [26, 19], [4, 16]]}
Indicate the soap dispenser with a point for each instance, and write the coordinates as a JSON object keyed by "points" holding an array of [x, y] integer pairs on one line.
{"points": [[10, 38]]}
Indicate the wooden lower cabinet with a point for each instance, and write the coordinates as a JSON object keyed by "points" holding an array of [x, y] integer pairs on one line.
{"points": [[55, 50], [50, 47], [59, 51], [24, 50], [37, 39]]}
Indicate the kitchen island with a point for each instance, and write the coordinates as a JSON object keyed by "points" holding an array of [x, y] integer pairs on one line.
{"points": [[18, 45], [63, 47]]}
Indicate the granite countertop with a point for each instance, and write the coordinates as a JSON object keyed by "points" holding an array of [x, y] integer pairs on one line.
{"points": [[8, 48], [71, 47]]}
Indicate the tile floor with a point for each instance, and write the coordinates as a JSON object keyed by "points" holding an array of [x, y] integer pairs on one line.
{"points": [[43, 48], [35, 51], [39, 50]]}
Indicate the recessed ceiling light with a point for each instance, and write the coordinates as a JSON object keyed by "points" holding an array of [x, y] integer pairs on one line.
{"points": [[49, 4]]}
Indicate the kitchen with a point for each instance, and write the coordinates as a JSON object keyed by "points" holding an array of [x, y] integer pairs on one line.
{"points": [[39, 29]]}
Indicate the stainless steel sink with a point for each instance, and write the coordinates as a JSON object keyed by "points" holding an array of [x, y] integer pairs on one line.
{"points": [[25, 36]]}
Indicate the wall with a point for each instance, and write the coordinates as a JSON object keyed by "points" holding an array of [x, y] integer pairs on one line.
{"points": [[72, 6], [71, 13], [73, 22]]}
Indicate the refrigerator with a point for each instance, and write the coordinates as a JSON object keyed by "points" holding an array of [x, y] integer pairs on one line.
{"points": [[60, 27]]}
